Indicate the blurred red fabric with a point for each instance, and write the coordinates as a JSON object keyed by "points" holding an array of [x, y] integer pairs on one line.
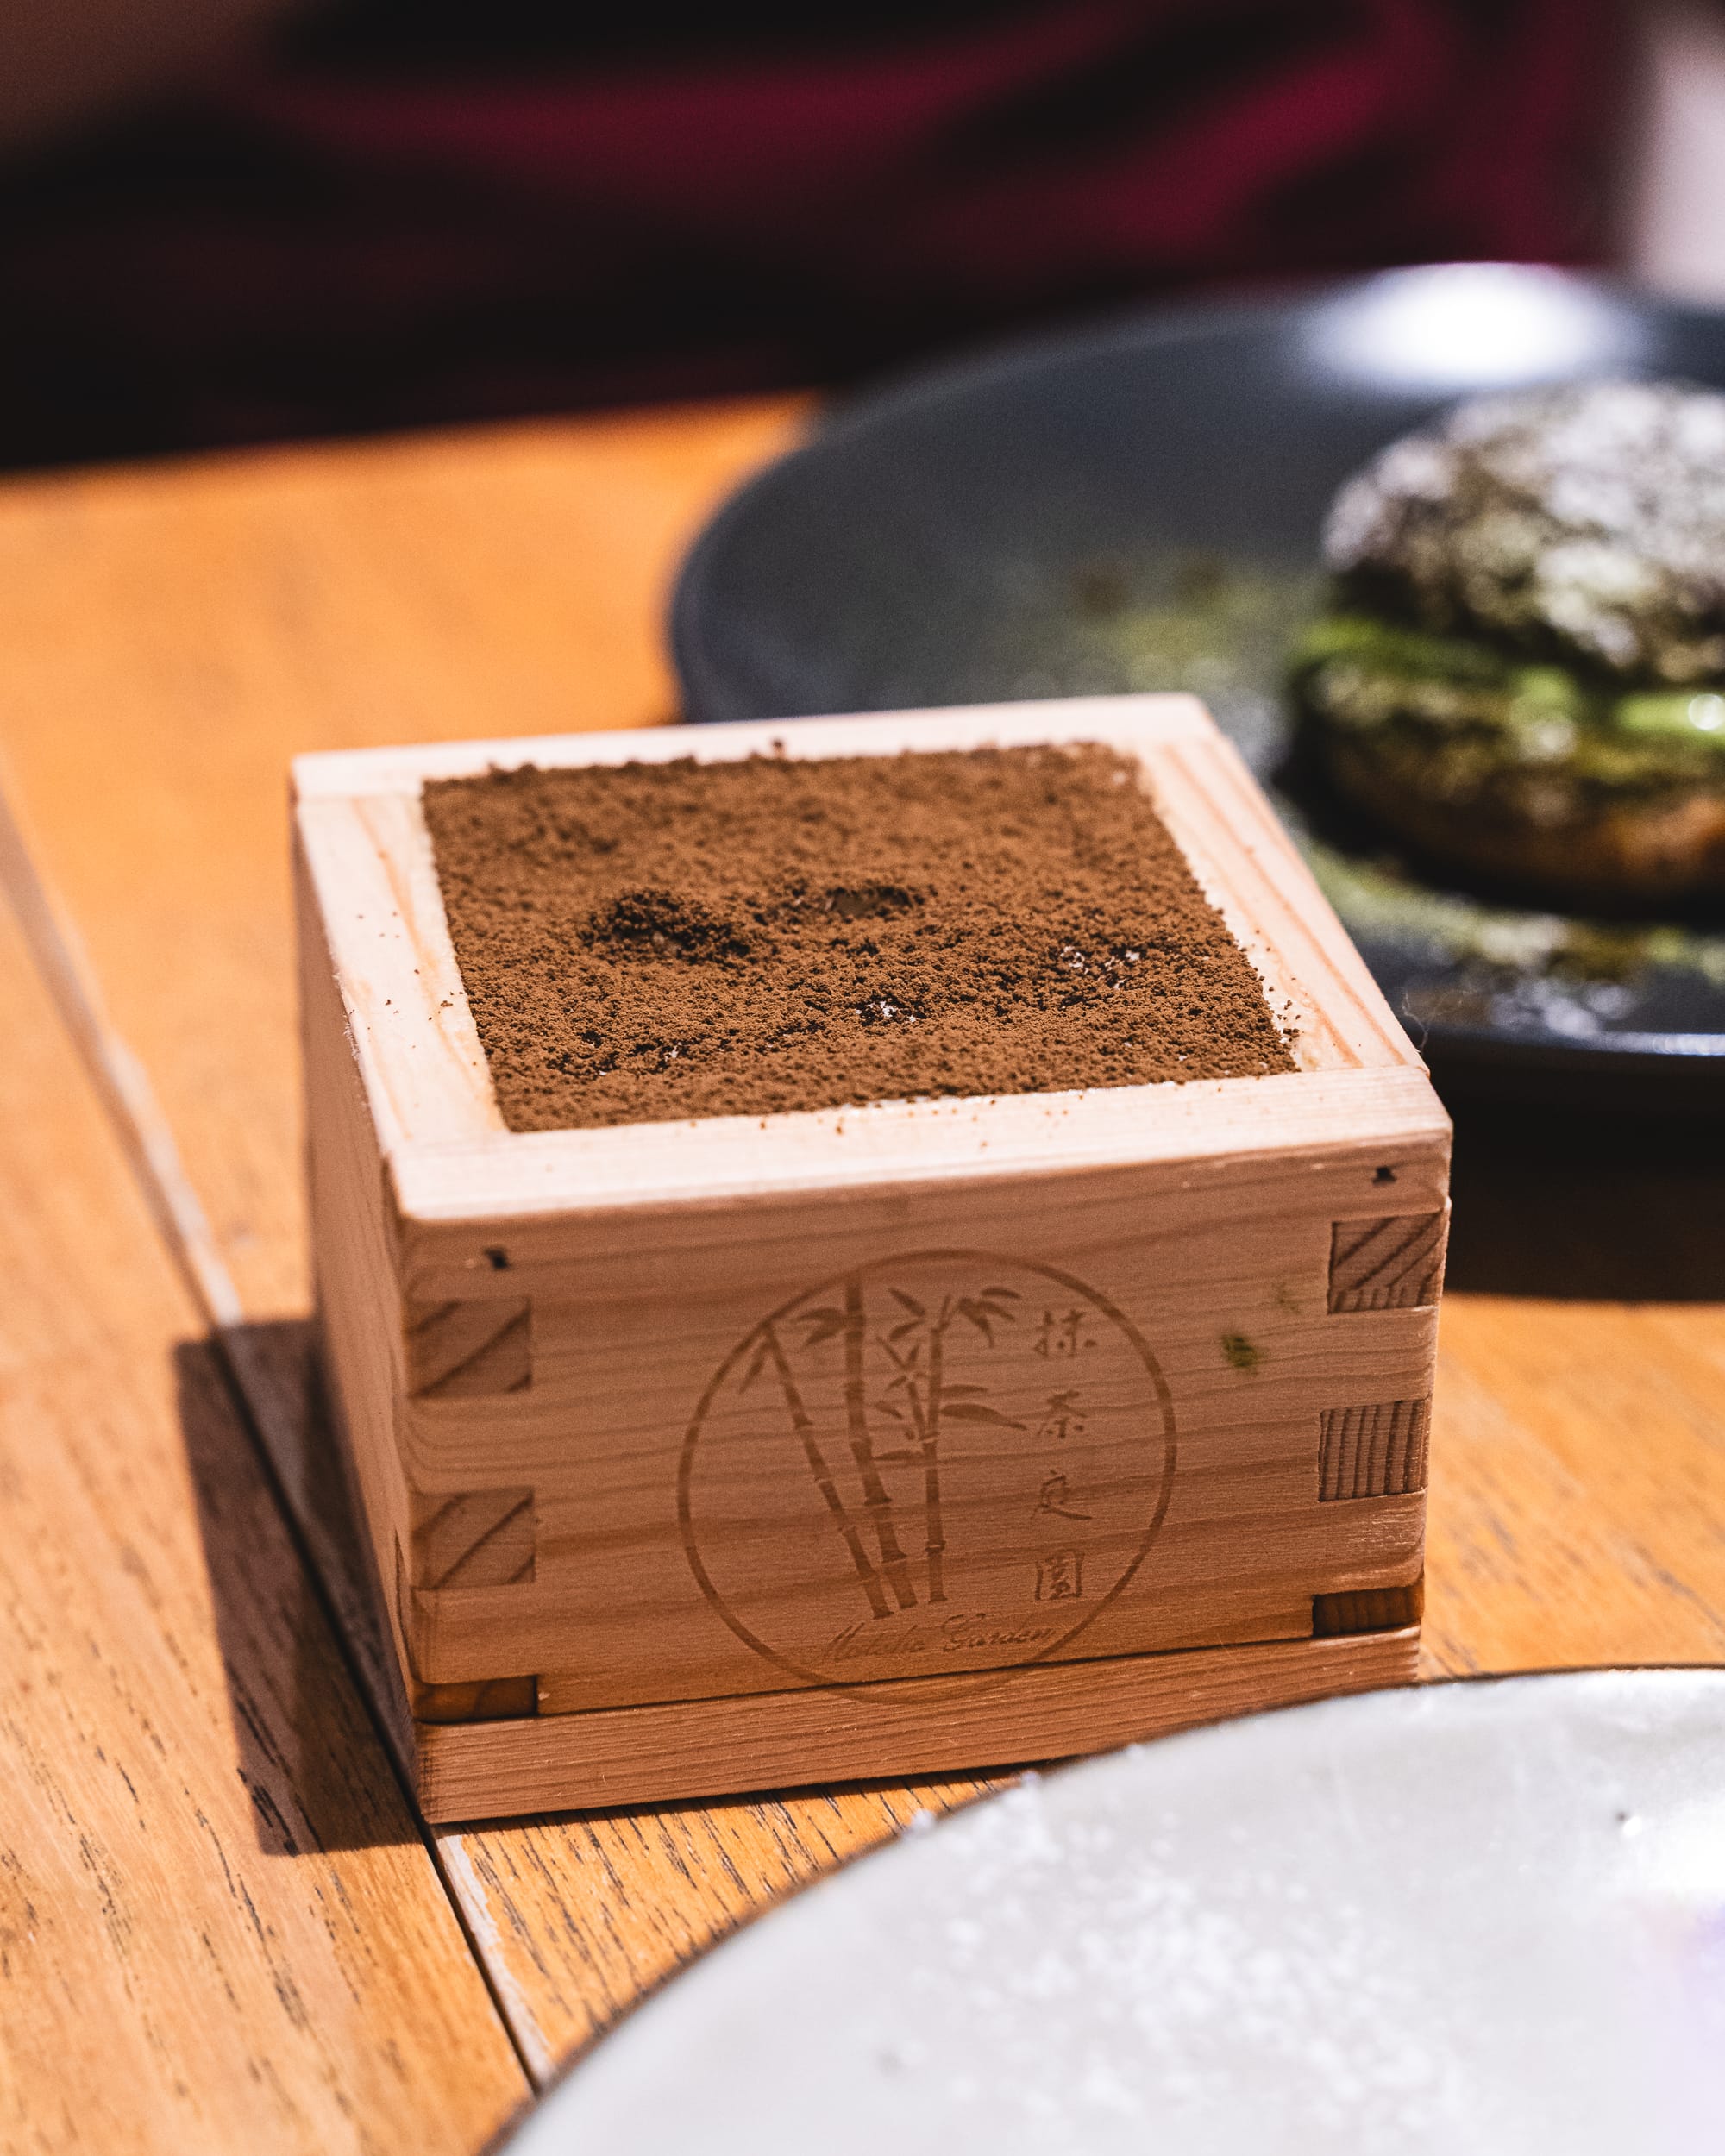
{"points": [[350, 237]]}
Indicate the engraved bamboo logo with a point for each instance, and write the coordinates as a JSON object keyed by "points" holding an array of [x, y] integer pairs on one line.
{"points": [[945, 1460]]}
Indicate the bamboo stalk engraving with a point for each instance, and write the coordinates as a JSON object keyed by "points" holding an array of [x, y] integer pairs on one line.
{"points": [[934, 1538], [924, 1434], [917, 1398], [920, 1394], [863, 1449], [801, 1421]]}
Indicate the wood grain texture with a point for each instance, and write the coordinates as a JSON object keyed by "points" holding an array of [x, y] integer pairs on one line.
{"points": [[1577, 1485], [1375, 1452], [184, 631], [474, 1538], [632, 1755], [1367, 1610], [219, 1926], [582, 1916], [1226, 1280], [1394, 1263], [464, 1351]]}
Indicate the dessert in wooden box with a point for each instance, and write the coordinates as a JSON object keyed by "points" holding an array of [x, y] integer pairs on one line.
{"points": [[776, 1444]]}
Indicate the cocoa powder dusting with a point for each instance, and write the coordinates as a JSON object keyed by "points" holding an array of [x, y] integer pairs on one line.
{"points": [[653, 941]]}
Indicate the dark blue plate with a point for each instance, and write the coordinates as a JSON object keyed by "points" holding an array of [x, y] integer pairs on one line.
{"points": [[1137, 507]]}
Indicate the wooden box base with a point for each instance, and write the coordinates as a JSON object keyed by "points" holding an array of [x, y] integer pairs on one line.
{"points": [[704, 1748]]}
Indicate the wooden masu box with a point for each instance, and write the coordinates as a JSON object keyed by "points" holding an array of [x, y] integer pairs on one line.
{"points": [[736, 1454]]}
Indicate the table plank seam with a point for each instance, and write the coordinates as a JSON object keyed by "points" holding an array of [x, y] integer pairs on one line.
{"points": [[120, 1083], [147, 1141]]}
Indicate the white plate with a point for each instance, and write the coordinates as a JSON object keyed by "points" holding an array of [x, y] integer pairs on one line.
{"points": [[1484, 1919]]}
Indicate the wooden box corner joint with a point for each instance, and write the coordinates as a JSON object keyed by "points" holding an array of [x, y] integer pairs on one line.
{"points": [[932, 1435]]}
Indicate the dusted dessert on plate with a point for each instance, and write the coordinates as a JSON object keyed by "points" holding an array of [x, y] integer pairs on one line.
{"points": [[1522, 669]]}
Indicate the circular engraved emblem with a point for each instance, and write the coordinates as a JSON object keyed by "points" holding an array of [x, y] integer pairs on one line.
{"points": [[943, 1461]]}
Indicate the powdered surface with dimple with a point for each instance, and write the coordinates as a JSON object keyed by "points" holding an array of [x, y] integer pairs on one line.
{"points": [[648, 942]]}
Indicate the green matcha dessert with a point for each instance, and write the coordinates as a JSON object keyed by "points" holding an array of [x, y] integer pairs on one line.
{"points": [[1522, 670]]}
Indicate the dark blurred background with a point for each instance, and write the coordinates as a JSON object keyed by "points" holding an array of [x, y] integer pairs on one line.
{"points": [[231, 221]]}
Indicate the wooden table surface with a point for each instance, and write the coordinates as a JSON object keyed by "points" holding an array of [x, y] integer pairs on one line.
{"points": [[220, 1925]]}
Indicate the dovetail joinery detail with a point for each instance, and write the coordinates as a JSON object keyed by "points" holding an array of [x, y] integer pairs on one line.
{"points": [[440, 1526], [1376, 1451], [459, 1351], [1368, 1609], [475, 1537], [497, 1699], [1396, 1263]]}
